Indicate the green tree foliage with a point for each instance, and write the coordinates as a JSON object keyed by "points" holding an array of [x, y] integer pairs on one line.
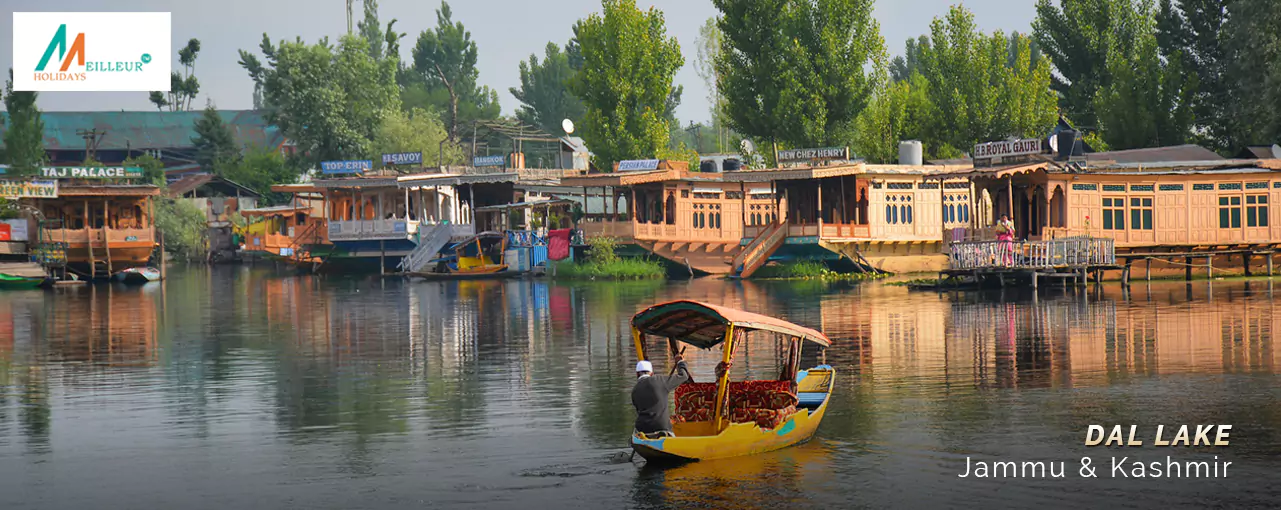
{"points": [[383, 43], [1191, 31], [259, 169], [24, 134], [182, 225], [977, 94], [900, 110], [1147, 101], [902, 67], [1076, 38], [797, 71], [1252, 43], [329, 100], [214, 142], [626, 83], [415, 131], [183, 86], [153, 170], [709, 44], [445, 75], [544, 91]]}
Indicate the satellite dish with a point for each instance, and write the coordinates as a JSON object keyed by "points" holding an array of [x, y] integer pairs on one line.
{"points": [[747, 146], [568, 125], [1054, 144]]}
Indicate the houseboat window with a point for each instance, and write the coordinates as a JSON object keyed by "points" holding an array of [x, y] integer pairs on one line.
{"points": [[684, 193], [1256, 210], [671, 209], [957, 185], [1230, 186], [1113, 214], [1142, 187], [928, 185], [717, 223], [900, 185], [1229, 212], [1202, 187], [1114, 187], [1256, 185], [1171, 187], [891, 214], [965, 213], [1277, 184], [694, 221], [907, 213], [1085, 187], [1141, 213]]}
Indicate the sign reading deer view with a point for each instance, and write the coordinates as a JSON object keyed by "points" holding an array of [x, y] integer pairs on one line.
{"points": [[819, 154], [1006, 150]]}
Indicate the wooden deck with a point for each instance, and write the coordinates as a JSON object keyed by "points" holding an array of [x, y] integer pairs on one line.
{"points": [[1071, 259]]}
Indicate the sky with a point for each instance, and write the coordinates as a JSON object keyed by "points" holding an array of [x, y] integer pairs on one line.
{"points": [[506, 32]]}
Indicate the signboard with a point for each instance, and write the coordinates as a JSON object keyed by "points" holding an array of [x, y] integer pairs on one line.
{"points": [[346, 167], [14, 230], [489, 161], [29, 189], [996, 151], [92, 172], [403, 158], [823, 153], [637, 164]]}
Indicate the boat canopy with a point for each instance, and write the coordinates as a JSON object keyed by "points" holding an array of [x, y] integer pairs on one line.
{"points": [[703, 325]]}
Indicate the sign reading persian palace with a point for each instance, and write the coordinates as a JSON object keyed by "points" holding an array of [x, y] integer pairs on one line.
{"points": [[489, 161], [29, 189], [996, 151], [403, 158], [346, 167], [92, 172], [822, 153], [637, 164]]}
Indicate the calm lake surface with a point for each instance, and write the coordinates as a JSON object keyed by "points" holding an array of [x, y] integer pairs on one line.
{"points": [[239, 387]]}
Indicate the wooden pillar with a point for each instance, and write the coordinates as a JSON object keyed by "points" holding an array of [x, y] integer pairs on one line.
{"points": [[1125, 274], [1045, 220], [972, 212], [1209, 266], [1187, 268], [471, 207], [819, 207], [1148, 270], [1245, 262], [382, 257], [742, 205], [106, 234], [943, 216], [1009, 197], [1270, 255]]}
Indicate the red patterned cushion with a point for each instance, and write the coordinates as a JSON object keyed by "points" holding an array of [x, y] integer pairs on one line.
{"points": [[694, 402], [767, 403]]}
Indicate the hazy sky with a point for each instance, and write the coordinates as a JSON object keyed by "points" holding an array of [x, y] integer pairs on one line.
{"points": [[505, 31]]}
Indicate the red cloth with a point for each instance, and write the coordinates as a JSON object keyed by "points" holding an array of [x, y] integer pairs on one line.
{"points": [[768, 403], [558, 244]]}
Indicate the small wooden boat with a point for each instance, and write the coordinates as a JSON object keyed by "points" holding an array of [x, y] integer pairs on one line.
{"points": [[137, 275], [14, 282], [723, 419], [478, 257]]}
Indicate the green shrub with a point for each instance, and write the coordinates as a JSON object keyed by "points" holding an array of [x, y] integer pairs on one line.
{"points": [[808, 270], [182, 225]]}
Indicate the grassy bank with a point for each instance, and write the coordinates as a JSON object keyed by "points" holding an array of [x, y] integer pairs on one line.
{"points": [[807, 270], [603, 263]]}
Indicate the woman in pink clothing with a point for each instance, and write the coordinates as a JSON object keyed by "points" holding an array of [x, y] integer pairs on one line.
{"points": [[1005, 232]]}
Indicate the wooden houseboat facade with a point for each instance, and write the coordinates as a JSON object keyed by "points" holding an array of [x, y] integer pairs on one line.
{"points": [[105, 228]]}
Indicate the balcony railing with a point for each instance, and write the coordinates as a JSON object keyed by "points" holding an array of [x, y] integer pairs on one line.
{"points": [[99, 235], [372, 230], [1066, 252]]}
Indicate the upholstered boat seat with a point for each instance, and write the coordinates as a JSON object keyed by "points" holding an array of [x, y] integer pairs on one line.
{"points": [[768, 403]]}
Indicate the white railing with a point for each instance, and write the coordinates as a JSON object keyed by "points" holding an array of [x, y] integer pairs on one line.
{"points": [[461, 230], [429, 246], [1065, 252], [365, 230]]}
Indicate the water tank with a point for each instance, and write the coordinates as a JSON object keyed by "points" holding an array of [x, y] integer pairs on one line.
{"points": [[1066, 144], [909, 153]]}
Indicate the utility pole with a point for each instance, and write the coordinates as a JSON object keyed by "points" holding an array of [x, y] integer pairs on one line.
{"points": [[349, 16], [91, 137]]}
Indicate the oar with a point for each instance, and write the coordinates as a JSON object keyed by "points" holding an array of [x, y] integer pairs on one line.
{"points": [[673, 371]]}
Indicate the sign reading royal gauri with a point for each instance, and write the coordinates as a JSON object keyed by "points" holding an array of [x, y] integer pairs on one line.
{"points": [[91, 51], [823, 153], [92, 172], [1007, 148]]}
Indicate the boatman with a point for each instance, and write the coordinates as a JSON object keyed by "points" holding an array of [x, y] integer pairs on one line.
{"points": [[650, 397]]}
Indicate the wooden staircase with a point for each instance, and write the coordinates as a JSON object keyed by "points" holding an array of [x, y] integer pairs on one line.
{"points": [[758, 252]]}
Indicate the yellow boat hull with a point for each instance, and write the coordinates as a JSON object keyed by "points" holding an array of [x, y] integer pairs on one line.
{"points": [[738, 439]]}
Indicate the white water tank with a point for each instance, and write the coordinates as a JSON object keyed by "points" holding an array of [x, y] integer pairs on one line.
{"points": [[909, 153]]}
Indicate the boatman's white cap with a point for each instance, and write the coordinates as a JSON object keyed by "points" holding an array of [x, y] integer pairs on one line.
{"points": [[644, 366]]}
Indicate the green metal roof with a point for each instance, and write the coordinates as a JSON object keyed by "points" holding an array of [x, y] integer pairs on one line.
{"points": [[149, 130]]}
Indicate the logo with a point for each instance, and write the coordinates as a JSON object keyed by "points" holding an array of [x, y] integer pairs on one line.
{"points": [[87, 52]]}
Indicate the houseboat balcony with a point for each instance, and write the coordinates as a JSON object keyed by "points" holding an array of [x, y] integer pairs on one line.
{"points": [[99, 236], [372, 230], [816, 231]]}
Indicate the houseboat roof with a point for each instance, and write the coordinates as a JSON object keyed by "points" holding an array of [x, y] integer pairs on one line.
{"points": [[378, 181], [421, 180], [626, 178], [1220, 166], [296, 188], [213, 183], [522, 205], [840, 170], [1173, 153], [269, 211], [107, 190]]}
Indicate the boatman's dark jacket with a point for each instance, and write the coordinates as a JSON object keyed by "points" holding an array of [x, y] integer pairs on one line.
{"points": [[650, 398]]}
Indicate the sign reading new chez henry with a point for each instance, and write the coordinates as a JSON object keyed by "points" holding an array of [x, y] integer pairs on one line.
{"points": [[823, 153], [1006, 150], [92, 172]]}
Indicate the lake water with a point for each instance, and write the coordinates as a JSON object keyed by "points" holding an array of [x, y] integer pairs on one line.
{"points": [[238, 387]]}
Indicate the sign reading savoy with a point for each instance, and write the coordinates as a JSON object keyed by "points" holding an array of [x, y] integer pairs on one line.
{"points": [[812, 154], [403, 158], [1007, 148]]}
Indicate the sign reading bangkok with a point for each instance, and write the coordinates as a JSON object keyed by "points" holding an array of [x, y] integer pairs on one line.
{"points": [[1007, 148], [489, 161], [91, 51], [92, 172]]}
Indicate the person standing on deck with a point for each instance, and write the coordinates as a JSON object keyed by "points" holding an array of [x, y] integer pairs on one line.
{"points": [[649, 396], [1005, 233]]}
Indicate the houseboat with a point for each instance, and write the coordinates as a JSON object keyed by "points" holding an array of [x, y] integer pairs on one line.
{"points": [[105, 228], [287, 232], [452, 204]]}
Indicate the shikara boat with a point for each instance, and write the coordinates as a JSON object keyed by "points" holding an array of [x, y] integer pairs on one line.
{"points": [[478, 257], [723, 419], [138, 275], [14, 282]]}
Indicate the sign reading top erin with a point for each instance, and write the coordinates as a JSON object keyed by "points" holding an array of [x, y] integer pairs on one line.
{"points": [[814, 154], [346, 167], [91, 51], [489, 161], [92, 172], [1007, 148], [403, 158]]}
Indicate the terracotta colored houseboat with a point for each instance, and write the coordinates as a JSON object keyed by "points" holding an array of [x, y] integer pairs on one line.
{"points": [[105, 227]]}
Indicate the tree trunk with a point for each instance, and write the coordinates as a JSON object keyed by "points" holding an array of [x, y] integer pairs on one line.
{"points": [[453, 104]]}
